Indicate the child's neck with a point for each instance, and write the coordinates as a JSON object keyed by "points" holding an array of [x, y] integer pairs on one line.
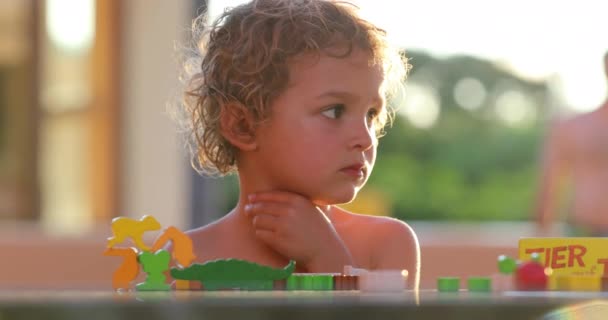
{"points": [[249, 244], [252, 180]]}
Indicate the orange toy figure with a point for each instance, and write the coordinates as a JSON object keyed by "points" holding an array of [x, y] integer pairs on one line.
{"points": [[123, 227], [128, 270], [182, 245]]}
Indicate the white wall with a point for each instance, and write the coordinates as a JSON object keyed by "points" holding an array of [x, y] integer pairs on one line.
{"points": [[154, 167]]}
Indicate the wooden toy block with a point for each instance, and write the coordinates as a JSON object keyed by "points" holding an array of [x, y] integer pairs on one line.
{"points": [[383, 281], [233, 274], [182, 247], [479, 284], [577, 283], [182, 285], [310, 282], [346, 282], [127, 271], [154, 264], [448, 284], [123, 228]]}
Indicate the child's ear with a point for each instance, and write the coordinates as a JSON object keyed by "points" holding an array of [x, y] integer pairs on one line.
{"points": [[237, 126]]}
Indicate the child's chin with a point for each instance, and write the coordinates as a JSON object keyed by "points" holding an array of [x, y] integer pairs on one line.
{"points": [[344, 198], [338, 199]]}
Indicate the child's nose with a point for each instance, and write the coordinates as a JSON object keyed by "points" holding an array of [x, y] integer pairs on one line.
{"points": [[365, 136]]}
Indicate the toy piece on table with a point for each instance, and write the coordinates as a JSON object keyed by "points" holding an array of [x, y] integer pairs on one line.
{"points": [[230, 274], [127, 271], [503, 280], [352, 271], [506, 264], [532, 275], [378, 280], [344, 282], [155, 265], [383, 281], [182, 246], [569, 256], [576, 283], [310, 282], [123, 228], [155, 261], [187, 285], [448, 284], [479, 284]]}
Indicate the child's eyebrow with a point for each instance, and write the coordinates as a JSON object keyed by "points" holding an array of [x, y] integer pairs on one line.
{"points": [[349, 96]]}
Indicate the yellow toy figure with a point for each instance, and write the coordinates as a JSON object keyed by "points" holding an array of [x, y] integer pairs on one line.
{"points": [[123, 228]]}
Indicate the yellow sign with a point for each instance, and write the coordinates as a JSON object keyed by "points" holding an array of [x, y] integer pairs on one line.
{"points": [[568, 256]]}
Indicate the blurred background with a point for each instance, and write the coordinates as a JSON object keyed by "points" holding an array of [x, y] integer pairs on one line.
{"points": [[85, 134]]}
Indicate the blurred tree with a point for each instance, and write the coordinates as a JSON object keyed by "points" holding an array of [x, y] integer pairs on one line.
{"points": [[472, 163]]}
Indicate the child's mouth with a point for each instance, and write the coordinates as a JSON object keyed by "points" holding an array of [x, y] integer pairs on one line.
{"points": [[356, 171]]}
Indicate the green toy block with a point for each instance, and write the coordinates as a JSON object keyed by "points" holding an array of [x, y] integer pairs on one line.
{"points": [[311, 282], [154, 264]]}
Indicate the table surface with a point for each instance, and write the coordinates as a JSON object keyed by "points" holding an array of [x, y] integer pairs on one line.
{"points": [[426, 304]]}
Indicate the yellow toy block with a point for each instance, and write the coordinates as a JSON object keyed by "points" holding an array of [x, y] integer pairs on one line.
{"points": [[123, 228], [182, 285], [575, 283], [569, 256]]}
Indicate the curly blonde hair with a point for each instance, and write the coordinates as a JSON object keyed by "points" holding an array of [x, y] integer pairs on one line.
{"points": [[244, 58]]}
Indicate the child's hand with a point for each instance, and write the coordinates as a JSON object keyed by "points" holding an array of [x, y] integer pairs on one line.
{"points": [[297, 229]]}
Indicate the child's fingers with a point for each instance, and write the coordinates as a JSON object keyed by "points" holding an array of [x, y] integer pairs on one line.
{"points": [[265, 222], [271, 208], [266, 236]]}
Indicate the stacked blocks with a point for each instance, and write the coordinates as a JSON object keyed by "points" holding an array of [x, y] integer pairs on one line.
{"points": [[154, 260], [222, 274]]}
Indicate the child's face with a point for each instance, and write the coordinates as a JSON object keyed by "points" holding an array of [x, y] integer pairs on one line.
{"points": [[320, 140]]}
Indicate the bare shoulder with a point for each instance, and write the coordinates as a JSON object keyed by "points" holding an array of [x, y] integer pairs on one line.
{"points": [[205, 239], [392, 243], [381, 231], [391, 233], [380, 227]]}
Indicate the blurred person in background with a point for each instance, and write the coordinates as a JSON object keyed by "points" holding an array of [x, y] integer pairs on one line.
{"points": [[575, 159]]}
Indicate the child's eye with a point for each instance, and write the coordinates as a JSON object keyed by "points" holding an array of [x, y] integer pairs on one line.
{"points": [[334, 112]]}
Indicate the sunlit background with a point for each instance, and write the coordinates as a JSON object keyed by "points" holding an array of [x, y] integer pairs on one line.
{"points": [[86, 135], [486, 82], [552, 41]]}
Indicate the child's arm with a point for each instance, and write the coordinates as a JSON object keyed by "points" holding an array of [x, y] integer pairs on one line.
{"points": [[398, 248], [298, 230]]}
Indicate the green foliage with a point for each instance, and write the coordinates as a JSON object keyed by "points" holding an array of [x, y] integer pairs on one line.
{"points": [[468, 166], [481, 177]]}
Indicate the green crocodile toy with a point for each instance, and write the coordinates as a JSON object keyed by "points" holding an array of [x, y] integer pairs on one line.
{"points": [[231, 274]]}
